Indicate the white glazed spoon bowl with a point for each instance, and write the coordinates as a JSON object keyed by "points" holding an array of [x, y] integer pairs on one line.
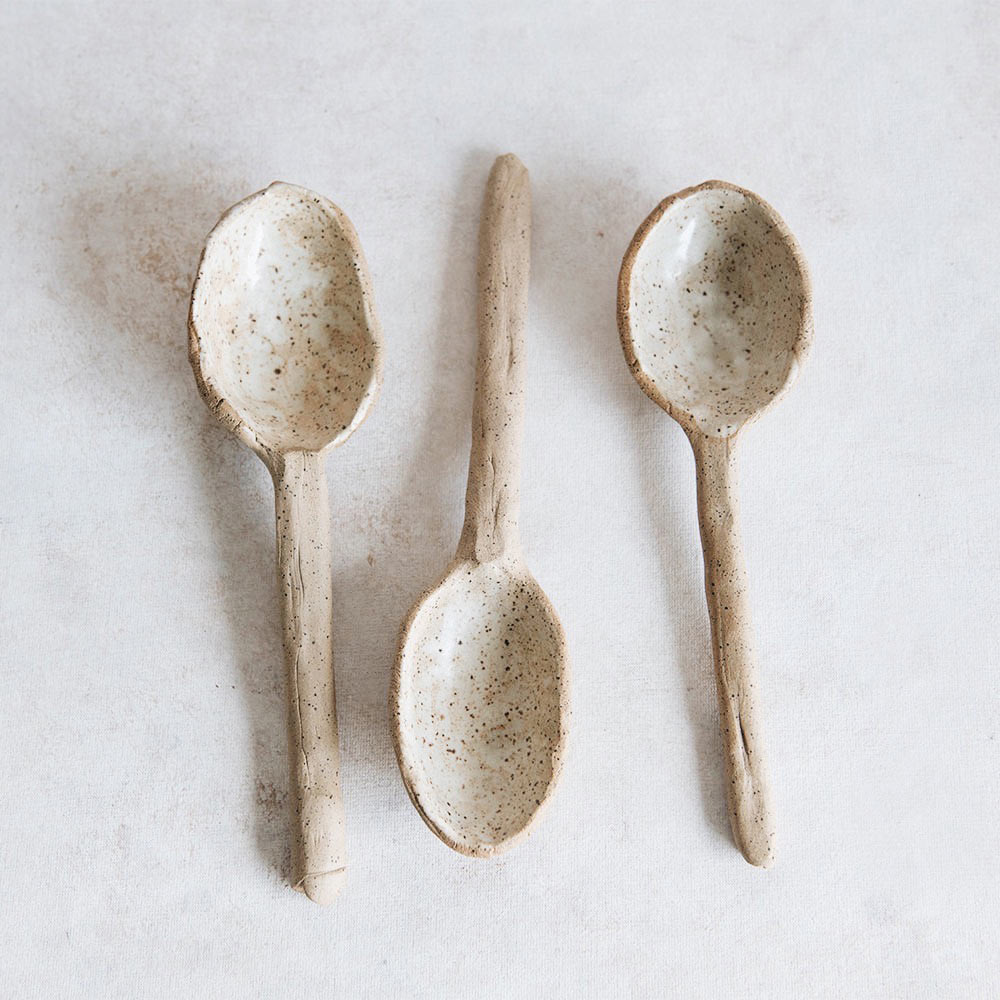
{"points": [[481, 704], [284, 342], [717, 307]]}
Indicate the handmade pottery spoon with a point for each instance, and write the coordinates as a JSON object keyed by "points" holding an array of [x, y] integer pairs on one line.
{"points": [[479, 694], [287, 352], [714, 311]]}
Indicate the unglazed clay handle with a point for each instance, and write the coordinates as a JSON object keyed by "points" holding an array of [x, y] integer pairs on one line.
{"points": [[493, 495], [747, 789], [303, 516]]}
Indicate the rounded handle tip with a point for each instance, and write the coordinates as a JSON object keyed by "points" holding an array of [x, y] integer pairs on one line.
{"points": [[760, 855], [324, 887], [753, 831], [509, 168]]}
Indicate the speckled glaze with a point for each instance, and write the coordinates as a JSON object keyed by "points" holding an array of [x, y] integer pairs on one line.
{"points": [[480, 690], [715, 316], [716, 307], [289, 352], [286, 350]]}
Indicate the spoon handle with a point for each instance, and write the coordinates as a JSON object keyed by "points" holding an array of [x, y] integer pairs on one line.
{"points": [[492, 499], [747, 790], [303, 522]]}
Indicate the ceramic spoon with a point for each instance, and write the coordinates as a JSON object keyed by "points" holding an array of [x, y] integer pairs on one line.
{"points": [[714, 311], [480, 687], [286, 350]]}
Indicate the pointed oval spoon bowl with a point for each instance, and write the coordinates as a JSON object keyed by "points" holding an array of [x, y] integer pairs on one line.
{"points": [[479, 696], [286, 350], [714, 312]]}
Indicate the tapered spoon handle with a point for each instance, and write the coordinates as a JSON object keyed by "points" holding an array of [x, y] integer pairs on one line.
{"points": [[747, 790], [303, 521], [493, 496]]}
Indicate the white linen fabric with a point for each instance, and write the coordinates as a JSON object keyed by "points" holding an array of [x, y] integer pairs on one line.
{"points": [[144, 836]]}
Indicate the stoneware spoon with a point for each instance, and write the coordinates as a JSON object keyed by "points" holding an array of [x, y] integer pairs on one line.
{"points": [[479, 694], [714, 311], [287, 351]]}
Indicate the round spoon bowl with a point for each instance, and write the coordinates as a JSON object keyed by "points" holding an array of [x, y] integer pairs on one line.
{"points": [[480, 705], [283, 340], [714, 305]]}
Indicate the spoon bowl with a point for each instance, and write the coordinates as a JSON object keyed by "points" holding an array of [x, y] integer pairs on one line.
{"points": [[714, 312], [286, 350], [283, 337], [717, 301], [481, 736]]}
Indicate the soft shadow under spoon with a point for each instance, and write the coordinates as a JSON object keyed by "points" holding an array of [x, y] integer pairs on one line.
{"points": [[714, 312], [479, 695], [287, 352]]}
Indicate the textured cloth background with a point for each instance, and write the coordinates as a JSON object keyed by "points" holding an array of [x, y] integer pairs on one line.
{"points": [[143, 836]]}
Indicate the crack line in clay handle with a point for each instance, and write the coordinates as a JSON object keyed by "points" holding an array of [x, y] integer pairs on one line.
{"points": [[493, 495]]}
